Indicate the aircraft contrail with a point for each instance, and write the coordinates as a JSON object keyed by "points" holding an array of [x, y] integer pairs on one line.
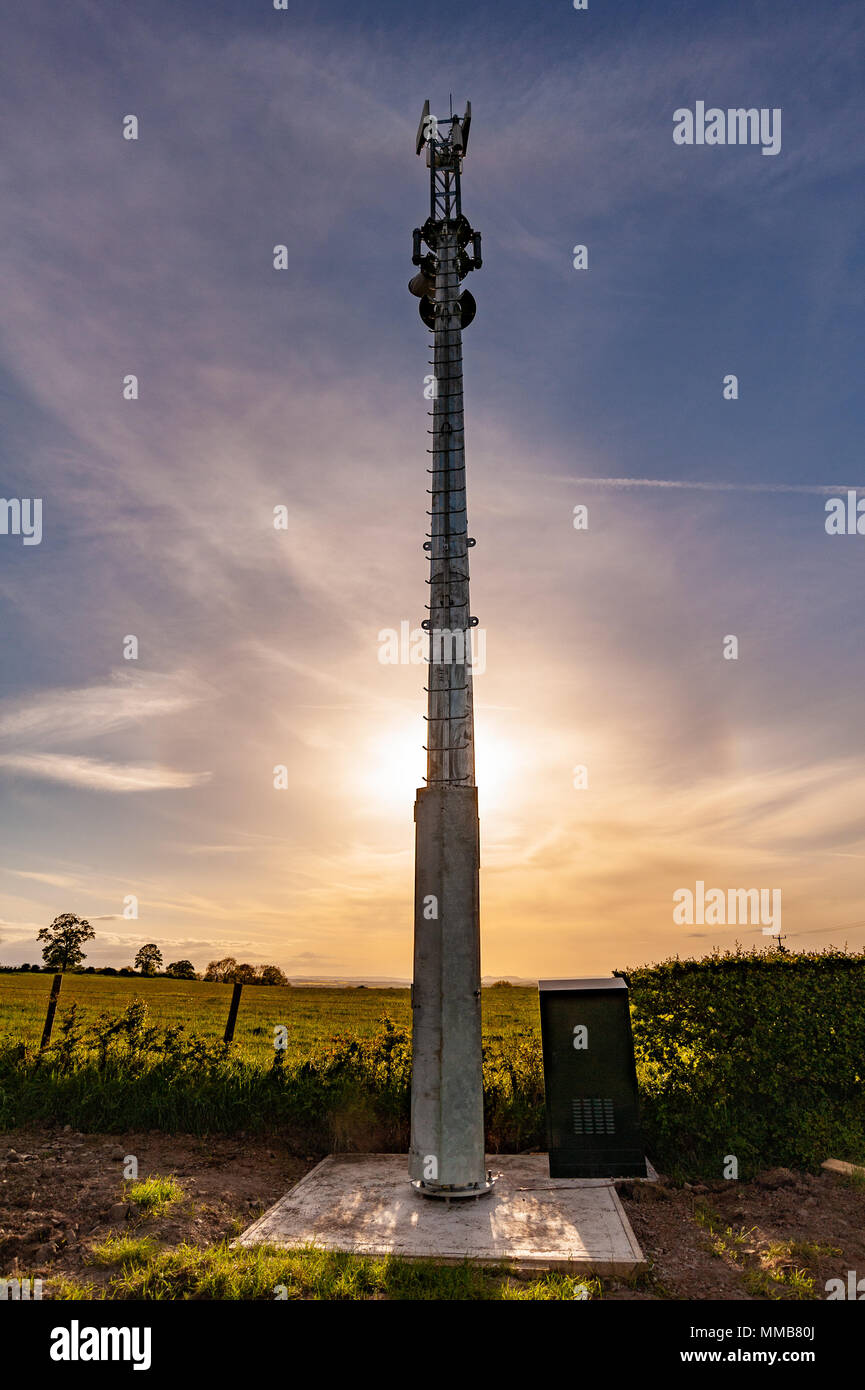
{"points": [[827, 488]]}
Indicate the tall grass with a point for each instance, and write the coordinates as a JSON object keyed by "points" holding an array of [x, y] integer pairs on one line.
{"points": [[352, 1094]]}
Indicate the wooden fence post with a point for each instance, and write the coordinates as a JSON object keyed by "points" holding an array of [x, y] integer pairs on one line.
{"points": [[232, 1013], [52, 1009]]}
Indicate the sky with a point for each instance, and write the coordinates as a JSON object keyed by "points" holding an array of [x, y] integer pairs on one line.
{"points": [[153, 778]]}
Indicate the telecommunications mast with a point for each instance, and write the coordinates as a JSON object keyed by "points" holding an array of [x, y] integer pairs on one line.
{"points": [[447, 1157]]}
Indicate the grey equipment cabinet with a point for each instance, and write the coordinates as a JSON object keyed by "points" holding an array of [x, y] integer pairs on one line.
{"points": [[590, 1081]]}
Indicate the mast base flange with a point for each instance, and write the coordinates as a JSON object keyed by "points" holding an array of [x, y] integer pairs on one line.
{"points": [[445, 1193]]}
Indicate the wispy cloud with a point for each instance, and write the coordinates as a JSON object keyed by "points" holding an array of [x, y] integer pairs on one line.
{"points": [[55, 880], [67, 716], [95, 775]]}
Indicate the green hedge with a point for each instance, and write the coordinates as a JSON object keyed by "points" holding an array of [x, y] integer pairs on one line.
{"points": [[761, 1056]]}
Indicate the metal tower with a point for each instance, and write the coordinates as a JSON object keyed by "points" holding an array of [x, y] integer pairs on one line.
{"points": [[447, 1123]]}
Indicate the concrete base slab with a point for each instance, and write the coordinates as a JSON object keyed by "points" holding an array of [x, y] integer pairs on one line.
{"points": [[365, 1205]]}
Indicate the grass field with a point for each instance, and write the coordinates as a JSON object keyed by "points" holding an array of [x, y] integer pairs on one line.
{"points": [[312, 1015]]}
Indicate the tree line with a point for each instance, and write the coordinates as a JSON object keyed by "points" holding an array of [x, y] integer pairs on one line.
{"points": [[63, 950]]}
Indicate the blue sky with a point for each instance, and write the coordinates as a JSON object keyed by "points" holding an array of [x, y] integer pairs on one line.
{"points": [[153, 778]]}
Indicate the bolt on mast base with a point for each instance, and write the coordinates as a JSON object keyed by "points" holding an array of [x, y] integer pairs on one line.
{"points": [[449, 1194]]}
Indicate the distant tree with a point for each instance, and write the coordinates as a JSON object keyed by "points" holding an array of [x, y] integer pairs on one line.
{"points": [[272, 975], [181, 970], [108, 970], [126, 970], [244, 974], [26, 966], [64, 939], [149, 959], [221, 970]]}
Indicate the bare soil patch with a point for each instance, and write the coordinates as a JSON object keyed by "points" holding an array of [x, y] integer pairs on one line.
{"points": [[743, 1240], [62, 1192]]}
